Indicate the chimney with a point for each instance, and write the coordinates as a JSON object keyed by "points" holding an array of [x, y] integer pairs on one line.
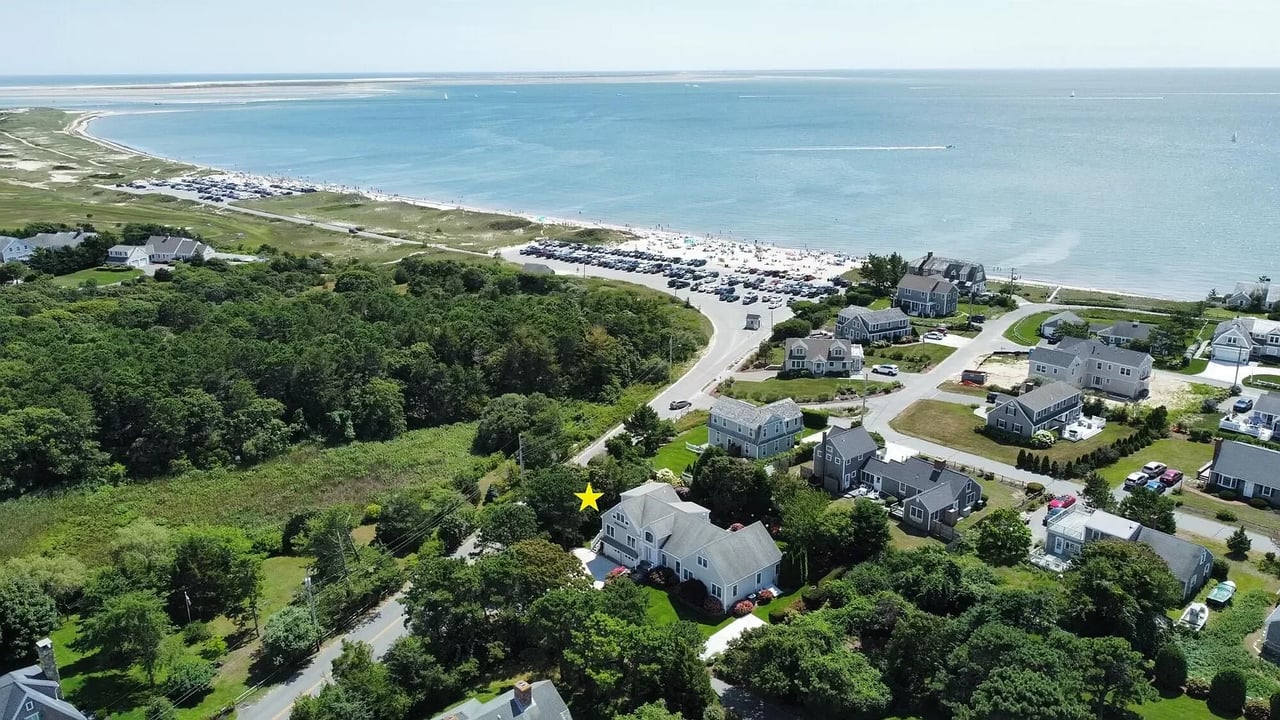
{"points": [[523, 692], [1217, 448], [928, 255], [939, 464], [44, 657]]}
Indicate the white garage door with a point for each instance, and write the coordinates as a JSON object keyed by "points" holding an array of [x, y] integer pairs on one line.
{"points": [[1230, 354]]}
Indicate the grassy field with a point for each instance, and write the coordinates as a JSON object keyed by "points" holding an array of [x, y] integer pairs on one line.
{"points": [[1195, 367], [82, 522], [1177, 453], [1027, 330], [1179, 707], [665, 611], [91, 686], [799, 389], [674, 456], [918, 357], [1262, 381], [101, 276], [459, 229], [952, 425]]}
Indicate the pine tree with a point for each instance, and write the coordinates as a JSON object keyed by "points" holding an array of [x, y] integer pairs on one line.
{"points": [[1239, 542], [1069, 470], [1022, 459], [1054, 470]]}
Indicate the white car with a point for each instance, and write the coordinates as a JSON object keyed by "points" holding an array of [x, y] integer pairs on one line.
{"points": [[933, 336], [885, 369]]}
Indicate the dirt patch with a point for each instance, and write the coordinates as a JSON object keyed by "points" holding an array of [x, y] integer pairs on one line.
{"points": [[1005, 370]]}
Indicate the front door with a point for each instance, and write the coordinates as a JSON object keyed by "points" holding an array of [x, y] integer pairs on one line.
{"points": [[648, 553]]}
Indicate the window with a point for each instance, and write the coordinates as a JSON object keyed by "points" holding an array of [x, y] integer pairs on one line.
{"points": [[1017, 427], [1000, 424], [648, 536], [734, 591], [608, 530], [1265, 491], [702, 561], [1041, 368], [620, 518], [716, 592], [969, 498], [1226, 482], [917, 514], [687, 574], [631, 541], [1057, 545], [677, 566], [902, 488], [759, 579], [1126, 371]]}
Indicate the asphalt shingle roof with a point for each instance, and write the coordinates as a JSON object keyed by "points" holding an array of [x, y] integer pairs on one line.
{"points": [[1130, 329], [875, 317], [30, 685], [1247, 462], [1051, 356], [547, 705], [752, 415], [852, 442], [1268, 403], [821, 348], [1065, 316], [925, 283], [738, 554], [1102, 351], [1046, 396], [1183, 558]]}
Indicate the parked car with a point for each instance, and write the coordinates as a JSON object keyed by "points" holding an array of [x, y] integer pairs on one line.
{"points": [[933, 336], [1154, 469], [679, 404], [1156, 487], [1062, 501], [1171, 477], [1135, 479], [993, 396], [888, 369], [1242, 405], [977, 319]]}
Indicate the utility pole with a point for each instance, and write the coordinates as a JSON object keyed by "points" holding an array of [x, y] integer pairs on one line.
{"points": [[342, 553], [520, 452], [311, 601], [670, 347]]}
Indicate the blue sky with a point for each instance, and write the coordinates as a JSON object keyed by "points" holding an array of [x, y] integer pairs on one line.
{"points": [[319, 36]]}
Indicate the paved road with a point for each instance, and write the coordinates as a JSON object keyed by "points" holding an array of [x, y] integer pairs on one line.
{"points": [[729, 344]]}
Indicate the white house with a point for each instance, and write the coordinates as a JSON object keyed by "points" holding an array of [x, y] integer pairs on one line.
{"points": [[134, 256], [745, 430], [823, 356], [652, 526], [12, 248], [1242, 339]]}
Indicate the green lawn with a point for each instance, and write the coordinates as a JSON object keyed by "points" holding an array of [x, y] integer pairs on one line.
{"points": [[101, 276], [1263, 382], [92, 686], [952, 386], [663, 610], [1177, 453], [1195, 367], [799, 389], [1031, 293], [1208, 506], [674, 456], [783, 601], [880, 303], [1180, 707], [998, 495], [917, 357], [459, 229], [1027, 330], [952, 425]]}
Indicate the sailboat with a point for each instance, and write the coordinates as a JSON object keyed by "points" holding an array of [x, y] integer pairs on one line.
{"points": [[1234, 137], [1073, 93], [446, 96]]}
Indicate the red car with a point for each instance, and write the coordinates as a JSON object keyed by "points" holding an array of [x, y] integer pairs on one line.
{"points": [[1062, 501], [1171, 477]]}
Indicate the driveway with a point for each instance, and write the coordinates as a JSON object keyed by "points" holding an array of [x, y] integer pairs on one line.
{"points": [[597, 566], [1225, 372]]}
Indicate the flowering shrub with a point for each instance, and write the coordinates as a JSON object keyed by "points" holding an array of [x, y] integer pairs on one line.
{"points": [[617, 572], [662, 577], [693, 591], [712, 606], [743, 607], [736, 527], [1197, 688], [764, 597]]}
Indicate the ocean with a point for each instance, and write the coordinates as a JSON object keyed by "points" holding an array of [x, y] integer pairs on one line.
{"points": [[1126, 180]]}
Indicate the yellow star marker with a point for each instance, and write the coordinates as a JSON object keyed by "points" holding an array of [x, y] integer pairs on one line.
{"points": [[589, 499]]}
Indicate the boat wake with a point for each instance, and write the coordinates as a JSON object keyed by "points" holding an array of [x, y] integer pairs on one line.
{"points": [[852, 148]]}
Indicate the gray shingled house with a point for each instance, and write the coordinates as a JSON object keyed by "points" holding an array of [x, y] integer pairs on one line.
{"points": [[1251, 471], [35, 692], [745, 430], [1094, 365], [652, 526], [1124, 332], [926, 296], [969, 278], [861, 325], [839, 459], [823, 356], [931, 493], [1052, 406], [528, 701], [1051, 323]]}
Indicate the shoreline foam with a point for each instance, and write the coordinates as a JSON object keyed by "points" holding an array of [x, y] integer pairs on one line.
{"points": [[654, 240]]}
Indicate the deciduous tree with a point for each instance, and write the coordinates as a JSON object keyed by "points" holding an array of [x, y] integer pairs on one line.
{"points": [[128, 628], [1002, 538]]}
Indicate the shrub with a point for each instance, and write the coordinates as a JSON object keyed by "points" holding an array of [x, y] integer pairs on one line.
{"points": [[372, 512], [779, 615], [1220, 569], [1043, 439], [813, 596], [196, 632], [662, 576], [1170, 669], [188, 681], [1034, 489], [289, 635], [743, 607], [712, 605], [158, 708], [213, 648], [1257, 709], [1227, 495], [693, 591], [814, 419], [617, 572], [764, 597], [1199, 435], [1227, 691], [1259, 503], [1197, 688], [1225, 516]]}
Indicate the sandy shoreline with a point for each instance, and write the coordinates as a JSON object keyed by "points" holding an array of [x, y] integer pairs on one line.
{"points": [[726, 252]]}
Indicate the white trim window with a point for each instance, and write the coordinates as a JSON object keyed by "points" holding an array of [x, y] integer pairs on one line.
{"points": [[608, 530], [631, 541], [1227, 482], [917, 513], [716, 592], [702, 561], [1265, 491], [759, 579]]}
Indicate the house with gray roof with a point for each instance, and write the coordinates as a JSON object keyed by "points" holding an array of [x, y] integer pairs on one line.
{"points": [[862, 325], [1247, 295], [1242, 339], [823, 356], [1093, 365], [969, 278], [750, 431], [1067, 534], [35, 692], [537, 700], [652, 526], [1051, 323], [926, 296], [930, 492], [1250, 471], [56, 240], [1124, 332], [171, 248], [839, 458], [14, 249], [134, 256], [1051, 406]]}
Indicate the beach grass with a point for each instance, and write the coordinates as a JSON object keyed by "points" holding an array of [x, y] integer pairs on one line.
{"points": [[459, 229], [952, 425]]}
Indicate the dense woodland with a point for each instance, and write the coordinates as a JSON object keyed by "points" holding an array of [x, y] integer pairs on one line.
{"points": [[229, 366]]}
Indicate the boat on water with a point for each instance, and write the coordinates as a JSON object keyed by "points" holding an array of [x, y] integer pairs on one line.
{"points": [[1073, 93], [1194, 617], [446, 96], [1234, 137]]}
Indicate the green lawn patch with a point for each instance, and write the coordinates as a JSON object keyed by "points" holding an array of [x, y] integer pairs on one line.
{"points": [[800, 389], [1027, 330], [908, 539], [674, 456], [1208, 506], [952, 425], [781, 602], [998, 495], [917, 357], [1030, 293], [1263, 382], [664, 610], [1196, 366], [880, 303], [101, 276], [952, 386], [1181, 707], [1175, 452]]}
